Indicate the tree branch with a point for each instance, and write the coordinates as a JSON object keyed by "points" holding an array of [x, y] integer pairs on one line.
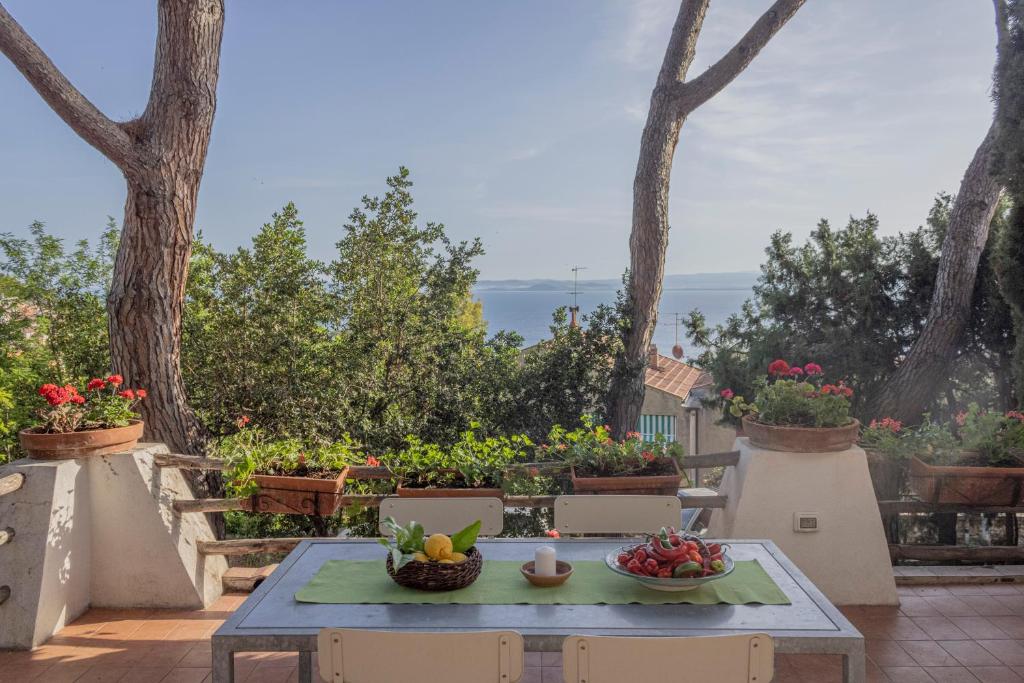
{"points": [[70, 104], [694, 93], [682, 45]]}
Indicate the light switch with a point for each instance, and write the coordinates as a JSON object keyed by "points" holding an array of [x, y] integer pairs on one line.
{"points": [[805, 522]]}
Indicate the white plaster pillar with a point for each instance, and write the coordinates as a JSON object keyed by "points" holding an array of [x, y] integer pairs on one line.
{"points": [[101, 532], [848, 556]]}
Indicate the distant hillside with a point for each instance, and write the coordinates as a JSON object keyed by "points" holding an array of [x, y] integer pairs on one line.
{"points": [[694, 281]]}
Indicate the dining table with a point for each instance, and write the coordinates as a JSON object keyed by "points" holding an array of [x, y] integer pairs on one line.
{"points": [[272, 620]]}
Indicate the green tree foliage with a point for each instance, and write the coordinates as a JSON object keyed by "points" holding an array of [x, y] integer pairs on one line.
{"points": [[1009, 95], [854, 301], [52, 318]]}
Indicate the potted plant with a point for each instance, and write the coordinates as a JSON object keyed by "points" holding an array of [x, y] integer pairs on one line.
{"points": [[987, 469], [795, 411], [474, 466], [601, 465], [286, 475], [75, 425]]}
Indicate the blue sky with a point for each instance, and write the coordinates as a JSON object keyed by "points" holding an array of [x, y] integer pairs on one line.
{"points": [[520, 121]]}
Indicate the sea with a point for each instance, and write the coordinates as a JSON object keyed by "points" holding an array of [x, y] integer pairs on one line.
{"points": [[527, 308]]}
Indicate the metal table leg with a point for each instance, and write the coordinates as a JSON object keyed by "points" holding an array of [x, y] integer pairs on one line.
{"points": [[853, 664], [305, 667], [223, 664]]}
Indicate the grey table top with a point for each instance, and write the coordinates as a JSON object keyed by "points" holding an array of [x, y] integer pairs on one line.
{"points": [[272, 611]]}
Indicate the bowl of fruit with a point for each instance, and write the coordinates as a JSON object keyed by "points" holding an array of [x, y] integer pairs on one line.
{"points": [[437, 562], [671, 561]]}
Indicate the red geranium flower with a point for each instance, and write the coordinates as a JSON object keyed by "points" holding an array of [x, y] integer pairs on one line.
{"points": [[141, 393], [47, 389], [1015, 415], [127, 393], [553, 533], [726, 394], [57, 396], [77, 398], [95, 384], [242, 421], [778, 367], [648, 456], [372, 461], [795, 371], [813, 369], [115, 380]]}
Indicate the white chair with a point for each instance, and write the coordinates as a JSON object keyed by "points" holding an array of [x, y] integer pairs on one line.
{"points": [[357, 656], [722, 659], [446, 515], [616, 514]]}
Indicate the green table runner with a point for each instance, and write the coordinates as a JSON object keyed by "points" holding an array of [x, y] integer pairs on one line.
{"points": [[592, 583]]}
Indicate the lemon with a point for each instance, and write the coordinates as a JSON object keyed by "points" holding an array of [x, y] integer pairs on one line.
{"points": [[420, 557], [438, 547], [446, 561], [458, 557]]}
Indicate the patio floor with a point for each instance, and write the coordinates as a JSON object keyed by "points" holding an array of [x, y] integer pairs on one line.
{"points": [[947, 634]]}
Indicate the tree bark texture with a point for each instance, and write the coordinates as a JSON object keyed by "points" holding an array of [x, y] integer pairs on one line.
{"points": [[672, 100], [908, 391], [161, 154]]}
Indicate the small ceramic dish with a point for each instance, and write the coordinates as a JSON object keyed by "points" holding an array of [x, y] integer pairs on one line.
{"points": [[563, 569]]}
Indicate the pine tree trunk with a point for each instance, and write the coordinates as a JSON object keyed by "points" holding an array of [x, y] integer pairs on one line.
{"points": [[906, 394], [672, 100]]}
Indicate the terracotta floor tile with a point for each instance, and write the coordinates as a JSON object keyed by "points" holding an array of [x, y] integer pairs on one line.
{"points": [[1012, 626], [148, 674], [29, 671], [952, 606], [264, 673], [995, 674], [951, 674], [929, 653], [63, 673], [104, 674], [1003, 589], [969, 653], [894, 628], [551, 659], [968, 589], [1009, 652], [940, 628], [931, 591], [532, 674], [887, 653], [551, 674], [187, 675], [979, 628], [917, 607], [907, 674], [532, 659], [988, 605]]}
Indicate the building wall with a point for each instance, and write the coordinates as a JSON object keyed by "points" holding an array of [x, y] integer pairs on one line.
{"points": [[712, 438]]}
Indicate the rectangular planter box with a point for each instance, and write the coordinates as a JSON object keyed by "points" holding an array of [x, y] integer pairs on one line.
{"points": [[659, 485], [299, 495], [448, 493], [964, 485]]}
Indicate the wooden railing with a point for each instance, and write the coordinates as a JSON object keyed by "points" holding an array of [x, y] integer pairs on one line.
{"points": [[273, 545], [950, 552]]}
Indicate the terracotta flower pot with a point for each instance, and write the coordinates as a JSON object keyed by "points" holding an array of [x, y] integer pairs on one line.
{"points": [[404, 492], [965, 485], [299, 495], [83, 444], [801, 439], [626, 485]]}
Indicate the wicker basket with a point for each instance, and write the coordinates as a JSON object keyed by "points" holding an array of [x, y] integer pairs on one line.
{"points": [[433, 576]]}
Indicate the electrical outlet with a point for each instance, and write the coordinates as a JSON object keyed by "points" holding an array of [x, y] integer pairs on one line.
{"points": [[805, 522]]}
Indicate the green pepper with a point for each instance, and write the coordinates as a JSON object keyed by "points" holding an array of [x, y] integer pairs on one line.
{"points": [[718, 566], [686, 570]]}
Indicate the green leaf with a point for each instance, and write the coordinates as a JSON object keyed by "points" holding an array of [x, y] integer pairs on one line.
{"points": [[464, 540], [396, 558], [416, 537], [405, 559]]}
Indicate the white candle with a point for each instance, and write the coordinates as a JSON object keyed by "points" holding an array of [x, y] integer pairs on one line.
{"points": [[544, 561]]}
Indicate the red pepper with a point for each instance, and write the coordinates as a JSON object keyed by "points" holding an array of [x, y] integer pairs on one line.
{"points": [[640, 555], [676, 540], [634, 567], [665, 573], [651, 567], [623, 559], [714, 548], [696, 556]]}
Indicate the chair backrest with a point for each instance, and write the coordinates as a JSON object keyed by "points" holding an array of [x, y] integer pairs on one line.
{"points": [[616, 514], [722, 659], [446, 515], [357, 656]]}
